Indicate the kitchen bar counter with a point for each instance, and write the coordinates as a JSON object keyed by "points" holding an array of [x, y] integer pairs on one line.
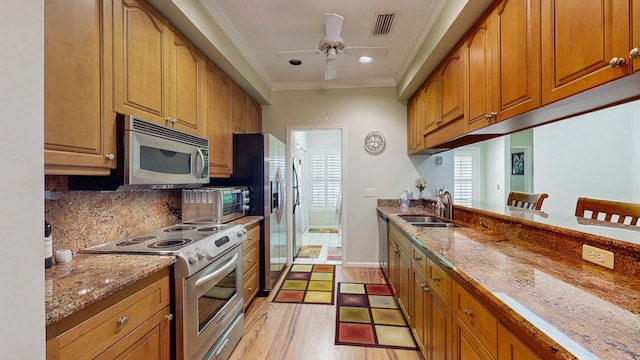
{"points": [[573, 308], [89, 278]]}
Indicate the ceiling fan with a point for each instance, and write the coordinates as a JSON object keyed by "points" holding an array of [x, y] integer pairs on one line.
{"points": [[332, 44]]}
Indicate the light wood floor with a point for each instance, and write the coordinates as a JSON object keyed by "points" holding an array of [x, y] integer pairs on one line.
{"points": [[292, 331]]}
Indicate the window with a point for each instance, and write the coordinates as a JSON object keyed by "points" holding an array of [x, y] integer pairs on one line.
{"points": [[465, 174], [326, 175]]}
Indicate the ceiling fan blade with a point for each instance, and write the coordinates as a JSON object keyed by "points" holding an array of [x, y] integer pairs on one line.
{"points": [[332, 26], [297, 53], [330, 69], [374, 52]]}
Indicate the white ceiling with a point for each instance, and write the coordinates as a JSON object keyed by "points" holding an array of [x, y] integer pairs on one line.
{"points": [[260, 28]]}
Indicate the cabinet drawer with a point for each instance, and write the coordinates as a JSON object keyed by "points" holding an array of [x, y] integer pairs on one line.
{"points": [[250, 288], [253, 237], [97, 333], [400, 238], [249, 258], [477, 318], [420, 260], [439, 280]]}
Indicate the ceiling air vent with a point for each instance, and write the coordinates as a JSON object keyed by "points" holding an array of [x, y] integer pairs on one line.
{"points": [[383, 23]]}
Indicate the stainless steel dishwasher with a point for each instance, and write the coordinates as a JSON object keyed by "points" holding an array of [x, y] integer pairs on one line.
{"points": [[383, 228]]}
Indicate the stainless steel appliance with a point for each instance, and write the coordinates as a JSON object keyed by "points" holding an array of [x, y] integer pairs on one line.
{"points": [[151, 156], [383, 240], [207, 283], [260, 164], [218, 205]]}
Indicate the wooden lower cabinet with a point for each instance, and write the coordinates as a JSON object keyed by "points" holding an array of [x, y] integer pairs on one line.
{"points": [[251, 265], [132, 323], [446, 320]]}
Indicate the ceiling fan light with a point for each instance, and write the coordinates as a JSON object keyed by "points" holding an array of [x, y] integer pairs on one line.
{"points": [[331, 53], [365, 59]]}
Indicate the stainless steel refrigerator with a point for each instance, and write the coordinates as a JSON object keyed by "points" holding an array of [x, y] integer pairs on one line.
{"points": [[260, 164]]}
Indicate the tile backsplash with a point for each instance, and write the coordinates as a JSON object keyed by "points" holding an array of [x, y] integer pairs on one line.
{"points": [[82, 219]]}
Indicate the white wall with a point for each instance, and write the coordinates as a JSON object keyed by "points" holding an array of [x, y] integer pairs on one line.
{"points": [[595, 155], [359, 111], [21, 195]]}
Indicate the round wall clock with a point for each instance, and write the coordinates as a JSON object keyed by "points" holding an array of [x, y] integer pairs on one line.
{"points": [[374, 142]]}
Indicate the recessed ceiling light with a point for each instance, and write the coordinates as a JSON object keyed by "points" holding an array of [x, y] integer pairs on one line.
{"points": [[365, 59], [295, 62]]}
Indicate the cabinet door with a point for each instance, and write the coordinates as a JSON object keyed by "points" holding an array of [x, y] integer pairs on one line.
{"points": [[415, 120], [635, 34], [516, 57], [218, 110], [78, 135], [420, 298], [510, 347], [404, 283], [393, 264], [431, 100], [186, 77], [141, 51], [254, 117], [439, 328], [479, 87], [579, 38], [238, 109], [452, 87]]}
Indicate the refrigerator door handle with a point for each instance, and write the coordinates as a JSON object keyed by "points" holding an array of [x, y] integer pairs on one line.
{"points": [[280, 185]]}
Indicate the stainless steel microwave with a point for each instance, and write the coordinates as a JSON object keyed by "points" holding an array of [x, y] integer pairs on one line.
{"points": [[152, 156]]}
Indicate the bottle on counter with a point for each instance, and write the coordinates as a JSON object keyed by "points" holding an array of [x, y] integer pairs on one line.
{"points": [[48, 245]]}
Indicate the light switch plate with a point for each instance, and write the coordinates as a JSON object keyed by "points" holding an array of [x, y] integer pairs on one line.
{"points": [[597, 256], [369, 192]]}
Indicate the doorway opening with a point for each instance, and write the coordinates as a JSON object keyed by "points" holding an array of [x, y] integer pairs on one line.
{"points": [[316, 195]]}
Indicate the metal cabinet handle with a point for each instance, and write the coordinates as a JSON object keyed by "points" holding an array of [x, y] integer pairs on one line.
{"points": [[616, 62], [468, 312], [168, 317], [110, 156], [436, 278], [634, 53], [123, 321], [487, 116], [417, 258], [249, 261], [250, 289]]}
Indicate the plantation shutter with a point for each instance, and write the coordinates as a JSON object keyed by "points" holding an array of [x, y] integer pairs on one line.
{"points": [[326, 174], [463, 177]]}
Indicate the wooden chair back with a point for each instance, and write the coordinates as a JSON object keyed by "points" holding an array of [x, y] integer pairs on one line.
{"points": [[614, 211], [526, 200]]}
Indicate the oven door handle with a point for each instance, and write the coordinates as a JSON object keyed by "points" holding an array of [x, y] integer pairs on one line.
{"points": [[218, 272]]}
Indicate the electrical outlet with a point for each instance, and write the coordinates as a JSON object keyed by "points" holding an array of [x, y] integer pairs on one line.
{"points": [[369, 192], [597, 256]]}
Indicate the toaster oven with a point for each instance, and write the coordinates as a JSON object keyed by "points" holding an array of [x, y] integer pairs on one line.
{"points": [[214, 204]]}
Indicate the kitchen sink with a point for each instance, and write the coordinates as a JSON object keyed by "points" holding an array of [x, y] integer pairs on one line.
{"points": [[425, 221]]}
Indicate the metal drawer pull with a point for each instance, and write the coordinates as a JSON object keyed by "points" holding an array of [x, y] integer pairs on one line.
{"points": [[249, 261], [467, 312], [168, 317], [250, 289], [417, 258], [123, 321], [436, 278]]}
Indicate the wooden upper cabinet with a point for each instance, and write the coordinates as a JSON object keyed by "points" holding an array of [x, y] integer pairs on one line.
{"points": [[503, 56], [415, 121], [141, 61], [218, 114], [187, 77], [579, 39], [479, 86], [452, 77], [239, 101], [634, 53], [158, 75], [254, 117], [78, 128], [430, 98], [516, 57]]}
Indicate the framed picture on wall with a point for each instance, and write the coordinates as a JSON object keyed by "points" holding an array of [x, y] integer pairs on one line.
{"points": [[517, 163]]}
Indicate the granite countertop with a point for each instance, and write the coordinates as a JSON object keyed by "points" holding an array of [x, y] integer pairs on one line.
{"points": [[575, 309], [89, 278]]}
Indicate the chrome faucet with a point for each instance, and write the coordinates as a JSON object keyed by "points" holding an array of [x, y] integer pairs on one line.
{"points": [[443, 192]]}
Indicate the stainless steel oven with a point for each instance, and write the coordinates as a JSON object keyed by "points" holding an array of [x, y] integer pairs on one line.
{"points": [[212, 302], [207, 284]]}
